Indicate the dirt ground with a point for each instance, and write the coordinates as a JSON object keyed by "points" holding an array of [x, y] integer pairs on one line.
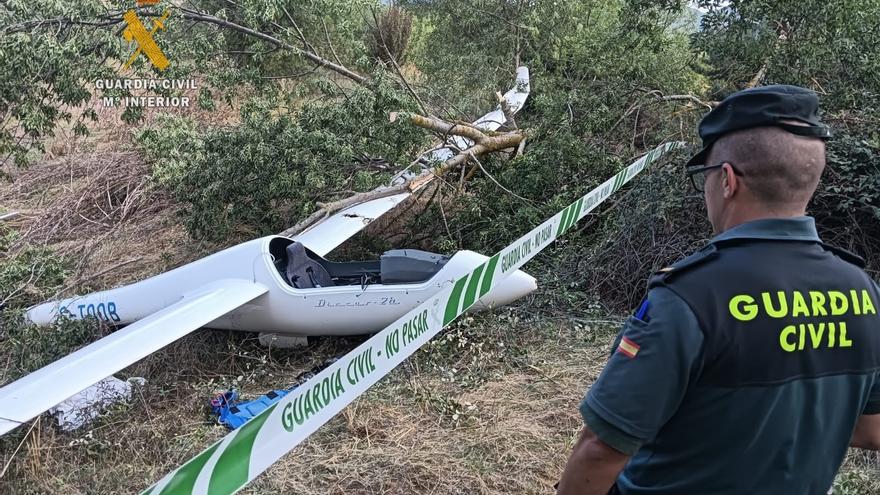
{"points": [[473, 412]]}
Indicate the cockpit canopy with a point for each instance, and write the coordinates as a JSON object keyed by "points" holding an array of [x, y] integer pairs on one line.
{"points": [[304, 269]]}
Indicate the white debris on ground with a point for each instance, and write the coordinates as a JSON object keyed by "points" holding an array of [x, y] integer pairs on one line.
{"points": [[84, 407]]}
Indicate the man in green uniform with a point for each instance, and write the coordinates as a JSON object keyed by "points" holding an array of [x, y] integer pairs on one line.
{"points": [[752, 364]]}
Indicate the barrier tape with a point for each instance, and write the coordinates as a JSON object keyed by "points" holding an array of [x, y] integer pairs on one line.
{"points": [[239, 457]]}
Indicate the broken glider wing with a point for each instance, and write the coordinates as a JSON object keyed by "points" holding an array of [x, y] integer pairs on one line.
{"points": [[37, 392], [328, 234], [492, 121]]}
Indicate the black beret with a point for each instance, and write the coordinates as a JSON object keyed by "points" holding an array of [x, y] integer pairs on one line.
{"points": [[759, 107]]}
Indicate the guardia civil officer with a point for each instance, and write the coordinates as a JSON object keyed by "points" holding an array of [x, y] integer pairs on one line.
{"points": [[752, 364]]}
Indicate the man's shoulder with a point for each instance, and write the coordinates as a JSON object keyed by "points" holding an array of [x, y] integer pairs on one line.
{"points": [[741, 253], [844, 255], [688, 263]]}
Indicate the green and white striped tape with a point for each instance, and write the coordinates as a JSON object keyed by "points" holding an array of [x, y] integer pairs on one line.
{"points": [[239, 457]]}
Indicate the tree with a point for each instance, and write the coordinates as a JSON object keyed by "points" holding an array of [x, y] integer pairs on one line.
{"points": [[54, 52]]}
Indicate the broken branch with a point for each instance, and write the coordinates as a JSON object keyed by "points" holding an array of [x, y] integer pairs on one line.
{"points": [[508, 112], [440, 126], [483, 144]]}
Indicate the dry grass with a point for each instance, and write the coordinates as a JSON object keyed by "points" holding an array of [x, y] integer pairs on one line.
{"points": [[101, 210], [502, 422], [91, 198], [420, 432], [489, 407]]}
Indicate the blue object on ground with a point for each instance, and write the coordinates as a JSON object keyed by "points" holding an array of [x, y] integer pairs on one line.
{"points": [[232, 412]]}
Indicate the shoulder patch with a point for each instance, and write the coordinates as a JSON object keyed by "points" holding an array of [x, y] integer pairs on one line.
{"points": [[845, 255], [628, 348]]}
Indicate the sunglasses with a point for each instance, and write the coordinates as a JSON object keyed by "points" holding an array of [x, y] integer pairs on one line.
{"points": [[698, 175]]}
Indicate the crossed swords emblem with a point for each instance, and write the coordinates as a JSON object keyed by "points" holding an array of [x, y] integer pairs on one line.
{"points": [[137, 32]]}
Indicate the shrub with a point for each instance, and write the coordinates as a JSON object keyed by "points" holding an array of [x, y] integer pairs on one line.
{"points": [[28, 275], [847, 203], [266, 173], [392, 32]]}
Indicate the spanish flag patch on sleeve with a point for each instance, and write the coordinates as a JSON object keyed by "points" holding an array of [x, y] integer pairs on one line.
{"points": [[628, 348]]}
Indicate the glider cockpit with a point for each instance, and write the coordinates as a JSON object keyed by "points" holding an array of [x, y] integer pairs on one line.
{"points": [[254, 286], [303, 269]]}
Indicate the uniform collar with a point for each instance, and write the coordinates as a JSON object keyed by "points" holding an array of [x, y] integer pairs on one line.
{"points": [[781, 229]]}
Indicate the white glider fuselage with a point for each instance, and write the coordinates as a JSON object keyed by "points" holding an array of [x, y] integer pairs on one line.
{"points": [[273, 284], [283, 309]]}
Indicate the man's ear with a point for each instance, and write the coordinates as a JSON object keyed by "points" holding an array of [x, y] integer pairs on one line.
{"points": [[729, 181]]}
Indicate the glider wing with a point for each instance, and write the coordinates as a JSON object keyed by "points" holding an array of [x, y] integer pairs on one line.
{"points": [[326, 235], [37, 392]]}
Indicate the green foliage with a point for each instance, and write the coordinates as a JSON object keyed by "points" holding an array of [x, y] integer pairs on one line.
{"points": [[587, 110], [829, 46], [26, 348], [27, 273], [268, 172], [550, 176], [175, 145], [847, 203], [569, 46], [655, 221], [44, 73], [852, 184], [52, 52], [832, 48], [231, 59]]}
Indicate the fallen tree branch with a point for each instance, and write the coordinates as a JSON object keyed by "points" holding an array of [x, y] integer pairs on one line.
{"points": [[660, 97], [484, 144], [687, 97], [490, 144], [509, 122], [440, 126]]}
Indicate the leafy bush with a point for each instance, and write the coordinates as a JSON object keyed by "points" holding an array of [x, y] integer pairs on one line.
{"points": [[266, 173], [660, 219], [26, 348], [29, 275], [822, 45], [175, 145], [847, 204], [43, 75]]}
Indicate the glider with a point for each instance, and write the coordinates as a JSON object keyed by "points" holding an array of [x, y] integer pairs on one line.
{"points": [[272, 284]]}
